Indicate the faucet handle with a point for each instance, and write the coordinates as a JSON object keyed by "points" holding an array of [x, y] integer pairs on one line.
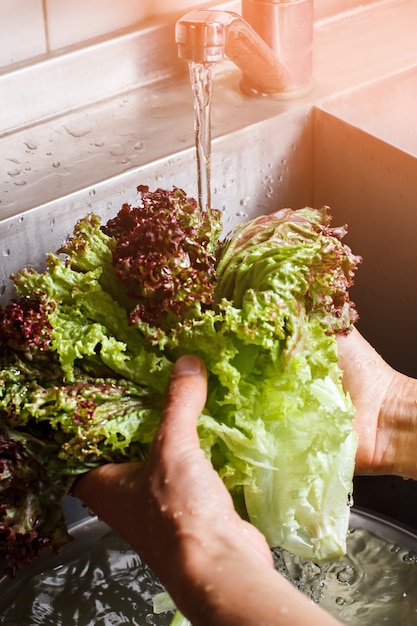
{"points": [[201, 36]]}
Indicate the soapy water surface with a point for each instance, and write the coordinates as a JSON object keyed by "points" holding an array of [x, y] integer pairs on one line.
{"points": [[107, 585]]}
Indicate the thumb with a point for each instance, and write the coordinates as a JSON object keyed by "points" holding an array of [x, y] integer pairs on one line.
{"points": [[184, 402]]}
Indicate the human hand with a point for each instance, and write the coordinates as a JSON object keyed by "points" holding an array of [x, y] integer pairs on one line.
{"points": [[176, 513], [386, 409], [174, 509]]}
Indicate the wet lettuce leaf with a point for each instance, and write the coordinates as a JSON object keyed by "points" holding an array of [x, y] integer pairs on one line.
{"points": [[87, 347]]}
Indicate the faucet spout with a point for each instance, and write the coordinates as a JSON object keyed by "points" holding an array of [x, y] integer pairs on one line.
{"points": [[271, 42], [207, 36]]}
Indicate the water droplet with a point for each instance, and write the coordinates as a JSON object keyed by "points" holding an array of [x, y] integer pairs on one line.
{"points": [[410, 557], [78, 130], [99, 143], [346, 574], [138, 145], [117, 150], [313, 568], [6, 252], [92, 193], [340, 601], [30, 145], [20, 183], [56, 164], [13, 172]]}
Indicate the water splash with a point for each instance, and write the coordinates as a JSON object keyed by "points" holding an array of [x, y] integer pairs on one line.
{"points": [[374, 583]]}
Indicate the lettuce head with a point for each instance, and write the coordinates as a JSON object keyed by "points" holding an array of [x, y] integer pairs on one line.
{"points": [[87, 347]]}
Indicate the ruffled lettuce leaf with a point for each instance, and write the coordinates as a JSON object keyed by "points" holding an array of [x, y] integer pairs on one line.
{"points": [[87, 350]]}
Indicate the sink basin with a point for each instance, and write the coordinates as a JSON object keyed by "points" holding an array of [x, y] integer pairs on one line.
{"points": [[365, 151], [113, 584], [365, 170], [385, 109]]}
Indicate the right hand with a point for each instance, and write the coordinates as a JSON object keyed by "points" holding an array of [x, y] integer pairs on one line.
{"points": [[175, 511]]}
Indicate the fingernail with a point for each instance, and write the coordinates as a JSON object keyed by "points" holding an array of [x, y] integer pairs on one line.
{"points": [[187, 364]]}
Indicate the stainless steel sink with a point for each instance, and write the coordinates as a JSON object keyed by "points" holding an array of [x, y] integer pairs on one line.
{"points": [[366, 171]]}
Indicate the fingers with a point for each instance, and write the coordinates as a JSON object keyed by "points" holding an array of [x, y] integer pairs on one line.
{"points": [[118, 492], [184, 402], [185, 399]]}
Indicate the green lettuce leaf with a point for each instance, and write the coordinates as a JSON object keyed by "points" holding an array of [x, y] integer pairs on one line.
{"points": [[84, 365], [277, 424]]}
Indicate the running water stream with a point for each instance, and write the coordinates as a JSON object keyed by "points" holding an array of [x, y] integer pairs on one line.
{"points": [[201, 75]]}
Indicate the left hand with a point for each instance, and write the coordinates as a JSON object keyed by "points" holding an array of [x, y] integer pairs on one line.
{"points": [[385, 403]]}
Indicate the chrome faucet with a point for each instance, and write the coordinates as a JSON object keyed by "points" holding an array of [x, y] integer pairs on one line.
{"points": [[271, 42]]}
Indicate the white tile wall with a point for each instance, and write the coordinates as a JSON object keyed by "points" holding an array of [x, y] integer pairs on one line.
{"points": [[31, 27], [158, 7], [71, 21], [22, 31]]}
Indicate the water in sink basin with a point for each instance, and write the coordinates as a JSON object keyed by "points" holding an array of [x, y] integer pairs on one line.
{"points": [[100, 581]]}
